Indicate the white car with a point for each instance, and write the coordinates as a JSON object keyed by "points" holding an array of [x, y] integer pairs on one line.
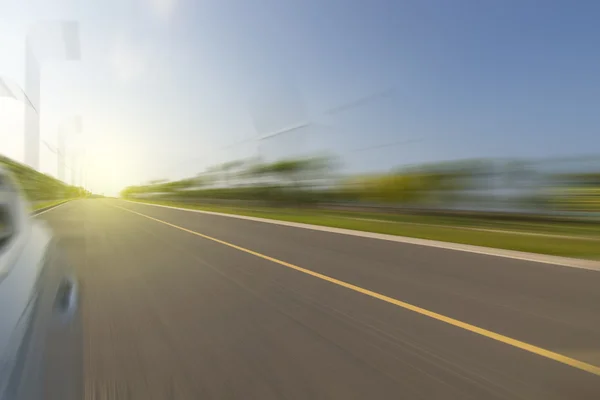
{"points": [[39, 334]]}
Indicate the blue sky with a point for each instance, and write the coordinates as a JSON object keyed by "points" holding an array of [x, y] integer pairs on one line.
{"points": [[164, 85]]}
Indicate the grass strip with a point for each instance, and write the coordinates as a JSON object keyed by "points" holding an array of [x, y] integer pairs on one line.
{"points": [[46, 204]]}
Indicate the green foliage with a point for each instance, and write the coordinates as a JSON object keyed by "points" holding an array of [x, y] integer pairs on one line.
{"points": [[299, 181], [280, 181], [162, 186], [39, 186]]}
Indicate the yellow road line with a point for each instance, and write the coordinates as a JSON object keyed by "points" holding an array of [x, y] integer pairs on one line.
{"points": [[471, 328]]}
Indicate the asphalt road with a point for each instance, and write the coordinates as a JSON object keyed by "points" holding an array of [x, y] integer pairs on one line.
{"points": [[186, 305]]}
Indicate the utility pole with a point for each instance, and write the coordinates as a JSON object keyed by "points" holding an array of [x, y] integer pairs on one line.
{"points": [[61, 153], [60, 160], [73, 169], [69, 129]]}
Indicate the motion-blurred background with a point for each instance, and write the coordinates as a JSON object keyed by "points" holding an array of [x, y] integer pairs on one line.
{"points": [[483, 112]]}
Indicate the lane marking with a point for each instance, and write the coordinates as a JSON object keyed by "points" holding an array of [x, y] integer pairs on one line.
{"points": [[589, 265], [431, 314]]}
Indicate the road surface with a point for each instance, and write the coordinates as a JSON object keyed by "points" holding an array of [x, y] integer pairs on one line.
{"points": [[186, 305]]}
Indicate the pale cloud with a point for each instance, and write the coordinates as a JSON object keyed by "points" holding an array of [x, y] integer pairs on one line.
{"points": [[128, 61], [163, 9]]}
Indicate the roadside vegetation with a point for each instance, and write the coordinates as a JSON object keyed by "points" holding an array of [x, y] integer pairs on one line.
{"points": [[40, 205], [42, 190], [511, 204]]}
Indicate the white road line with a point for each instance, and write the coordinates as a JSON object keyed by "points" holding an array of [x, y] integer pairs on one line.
{"points": [[51, 208], [488, 251]]}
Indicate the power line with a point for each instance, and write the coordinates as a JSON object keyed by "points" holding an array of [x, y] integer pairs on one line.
{"points": [[5, 90], [380, 146], [330, 112]]}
